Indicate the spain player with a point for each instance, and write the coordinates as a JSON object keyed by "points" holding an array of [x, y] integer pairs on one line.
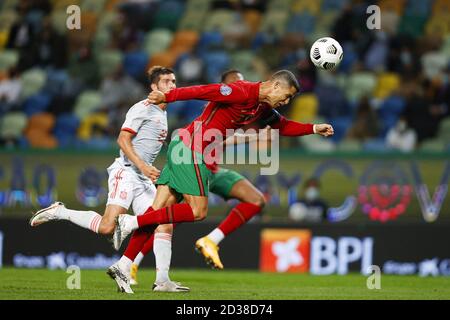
{"points": [[230, 107]]}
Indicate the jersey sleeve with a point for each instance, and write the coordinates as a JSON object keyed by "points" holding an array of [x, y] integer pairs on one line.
{"points": [[134, 119], [291, 128], [222, 93]]}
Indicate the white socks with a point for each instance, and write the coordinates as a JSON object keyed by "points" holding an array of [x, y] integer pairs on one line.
{"points": [[216, 235], [162, 248], [85, 219], [125, 263], [138, 259]]}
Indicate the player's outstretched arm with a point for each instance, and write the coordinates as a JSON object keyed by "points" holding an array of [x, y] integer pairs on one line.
{"points": [[294, 129], [231, 93]]}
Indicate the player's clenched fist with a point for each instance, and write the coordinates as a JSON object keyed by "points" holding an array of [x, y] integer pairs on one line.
{"points": [[156, 97], [324, 129], [150, 172]]}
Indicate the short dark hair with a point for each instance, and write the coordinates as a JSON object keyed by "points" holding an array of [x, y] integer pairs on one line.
{"points": [[287, 76], [156, 71], [227, 73]]}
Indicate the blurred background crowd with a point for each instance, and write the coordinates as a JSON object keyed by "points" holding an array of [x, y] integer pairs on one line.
{"points": [[72, 88]]}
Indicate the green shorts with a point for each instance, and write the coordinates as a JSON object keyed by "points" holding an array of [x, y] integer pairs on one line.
{"points": [[182, 173], [223, 181]]}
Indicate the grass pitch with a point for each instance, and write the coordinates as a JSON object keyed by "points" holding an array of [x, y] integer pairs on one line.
{"points": [[43, 284]]}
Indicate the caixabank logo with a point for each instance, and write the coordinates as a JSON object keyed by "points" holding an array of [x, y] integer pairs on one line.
{"points": [[296, 250]]}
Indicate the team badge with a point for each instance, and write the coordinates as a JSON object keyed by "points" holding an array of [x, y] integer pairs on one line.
{"points": [[225, 90], [123, 195]]}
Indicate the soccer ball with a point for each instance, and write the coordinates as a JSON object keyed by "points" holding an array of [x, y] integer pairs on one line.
{"points": [[326, 53]]}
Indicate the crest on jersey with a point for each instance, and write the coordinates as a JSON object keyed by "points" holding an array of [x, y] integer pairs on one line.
{"points": [[225, 90], [123, 195]]}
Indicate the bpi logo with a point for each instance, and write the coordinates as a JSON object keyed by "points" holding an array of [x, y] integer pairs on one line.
{"points": [[294, 250], [285, 250]]}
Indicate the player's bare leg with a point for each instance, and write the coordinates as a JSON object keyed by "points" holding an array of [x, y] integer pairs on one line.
{"points": [[252, 202]]}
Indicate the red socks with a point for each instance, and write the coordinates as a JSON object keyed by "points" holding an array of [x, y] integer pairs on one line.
{"points": [[137, 241], [180, 212], [238, 216]]}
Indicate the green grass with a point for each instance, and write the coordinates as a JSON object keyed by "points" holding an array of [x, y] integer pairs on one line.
{"points": [[220, 285]]}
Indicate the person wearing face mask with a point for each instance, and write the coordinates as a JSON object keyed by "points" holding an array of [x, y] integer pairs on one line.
{"points": [[310, 208], [401, 137]]}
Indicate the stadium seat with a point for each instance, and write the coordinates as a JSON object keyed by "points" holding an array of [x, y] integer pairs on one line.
{"points": [[168, 15], [167, 58], [4, 35], [304, 108], [107, 21], [438, 25], [12, 125], [198, 6], [9, 4], [390, 110], [66, 128], [7, 19], [93, 6], [8, 58], [88, 102], [210, 40], [341, 125], [441, 7], [135, 63], [185, 39], [375, 145], [242, 60], [332, 101], [387, 83], [445, 50], [418, 8], [253, 20], [218, 20], [333, 5], [90, 122], [412, 25], [157, 41], [302, 22], [32, 82], [360, 84], [112, 5], [109, 61], [37, 103], [59, 20], [396, 6], [61, 5], [192, 21], [216, 62], [274, 22], [38, 131], [57, 82]]}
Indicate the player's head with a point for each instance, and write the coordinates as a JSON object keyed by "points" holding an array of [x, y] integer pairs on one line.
{"points": [[161, 78], [283, 86], [231, 76]]}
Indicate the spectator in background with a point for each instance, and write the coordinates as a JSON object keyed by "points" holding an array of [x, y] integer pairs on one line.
{"points": [[310, 208], [366, 123], [21, 37], [401, 137], [10, 89], [84, 67], [423, 115], [50, 47]]}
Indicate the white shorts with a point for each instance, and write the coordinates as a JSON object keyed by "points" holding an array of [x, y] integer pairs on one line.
{"points": [[125, 189]]}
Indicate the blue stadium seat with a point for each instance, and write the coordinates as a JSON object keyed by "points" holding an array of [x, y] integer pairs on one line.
{"points": [[65, 130], [303, 22], [210, 40], [332, 101], [216, 62], [330, 5], [135, 63], [57, 82], [389, 112], [37, 103], [340, 125]]}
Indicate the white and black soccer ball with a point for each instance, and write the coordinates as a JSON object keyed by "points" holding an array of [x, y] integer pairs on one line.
{"points": [[326, 53]]}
